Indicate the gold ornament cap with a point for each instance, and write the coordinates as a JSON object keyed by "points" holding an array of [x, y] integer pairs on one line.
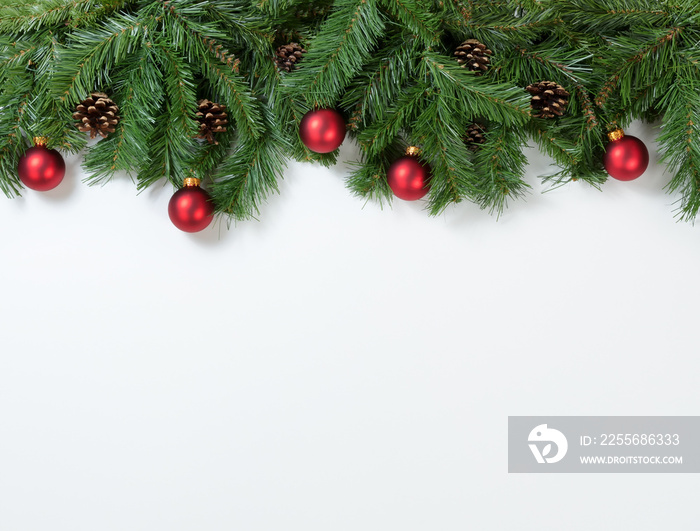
{"points": [[40, 141], [413, 151], [191, 182], [617, 134]]}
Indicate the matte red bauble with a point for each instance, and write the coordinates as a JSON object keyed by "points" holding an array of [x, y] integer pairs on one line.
{"points": [[626, 157], [40, 168], [322, 130], [408, 178], [190, 208]]}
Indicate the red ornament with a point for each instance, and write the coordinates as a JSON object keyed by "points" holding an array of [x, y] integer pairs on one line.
{"points": [[40, 168], [322, 130], [626, 157], [408, 178], [190, 208]]}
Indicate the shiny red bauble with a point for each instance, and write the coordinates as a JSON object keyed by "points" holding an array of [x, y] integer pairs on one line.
{"points": [[626, 158], [41, 169], [322, 130], [191, 209], [408, 178]]}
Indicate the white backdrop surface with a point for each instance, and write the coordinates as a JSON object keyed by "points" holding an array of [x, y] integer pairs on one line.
{"points": [[336, 366]]}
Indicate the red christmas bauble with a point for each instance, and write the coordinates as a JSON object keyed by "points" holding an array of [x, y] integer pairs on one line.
{"points": [[322, 130], [190, 208], [408, 178], [41, 169], [626, 158]]}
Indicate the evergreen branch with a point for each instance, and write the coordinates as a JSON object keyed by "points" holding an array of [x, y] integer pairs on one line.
{"points": [[439, 133], [415, 17], [456, 14], [338, 51], [557, 147], [250, 174], [54, 120], [220, 67], [82, 19], [372, 93], [383, 132], [581, 91], [626, 72], [474, 95], [8, 61], [609, 16], [12, 118], [33, 16], [172, 141], [535, 25], [244, 27], [368, 179], [91, 56], [501, 164], [185, 34], [680, 142], [48, 14], [140, 93], [241, 104], [578, 158]]}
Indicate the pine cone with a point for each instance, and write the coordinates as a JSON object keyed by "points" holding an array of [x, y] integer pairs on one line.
{"points": [[549, 99], [475, 136], [212, 119], [97, 115], [288, 55], [473, 55]]}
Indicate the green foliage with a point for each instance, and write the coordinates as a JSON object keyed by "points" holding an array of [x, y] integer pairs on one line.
{"points": [[250, 173], [338, 51], [679, 140], [386, 64], [139, 88]]}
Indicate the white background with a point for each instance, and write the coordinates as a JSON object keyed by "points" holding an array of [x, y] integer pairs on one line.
{"points": [[336, 366]]}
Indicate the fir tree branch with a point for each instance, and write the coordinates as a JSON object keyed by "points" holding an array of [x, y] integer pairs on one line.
{"points": [[439, 133], [564, 152], [375, 91], [185, 34], [383, 132], [15, 112], [415, 17], [680, 141], [25, 17], [8, 60], [368, 179], [500, 163], [172, 141], [250, 174], [338, 51], [140, 93], [475, 95], [581, 91], [644, 64], [242, 105], [86, 63]]}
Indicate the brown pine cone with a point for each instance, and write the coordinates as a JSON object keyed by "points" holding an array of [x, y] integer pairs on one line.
{"points": [[549, 99], [212, 119], [288, 55], [97, 115], [475, 136], [473, 55]]}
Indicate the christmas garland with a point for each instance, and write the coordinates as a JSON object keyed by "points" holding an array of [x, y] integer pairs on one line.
{"points": [[440, 95]]}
